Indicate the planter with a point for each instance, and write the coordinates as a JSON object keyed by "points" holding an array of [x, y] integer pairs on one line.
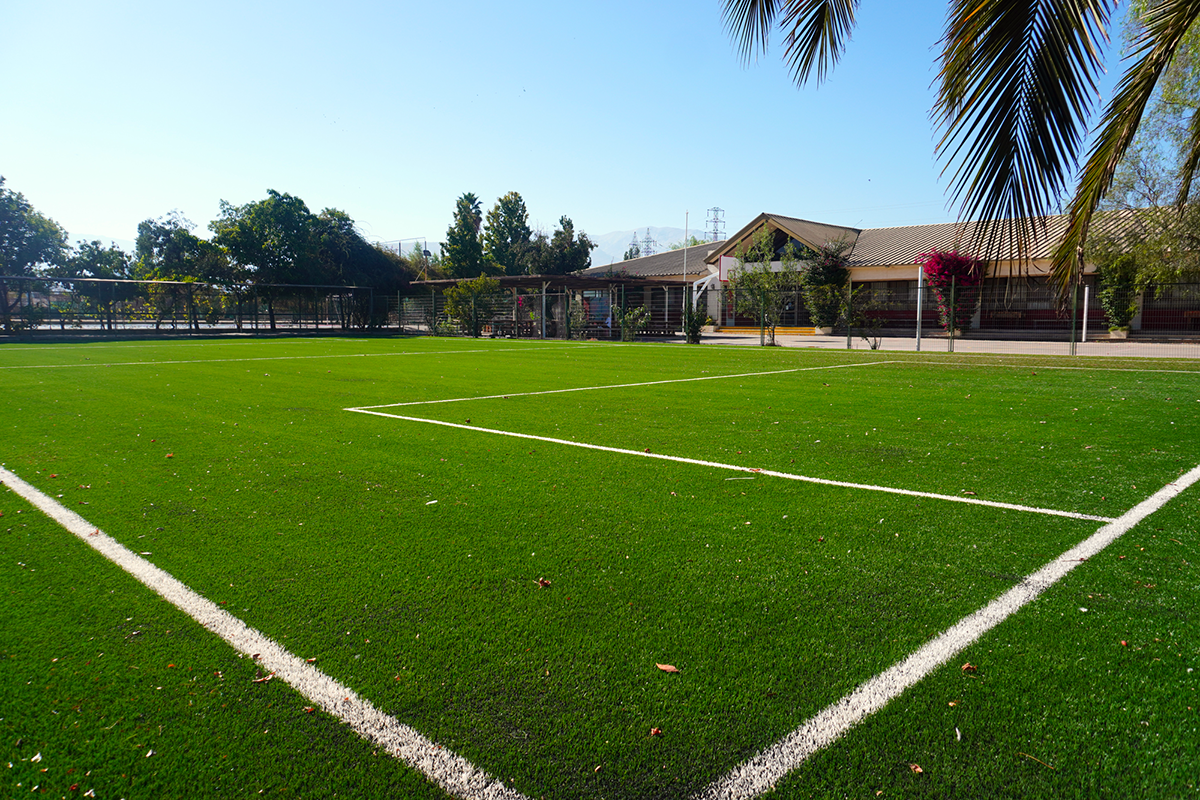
{"points": [[824, 330], [709, 328], [1118, 333]]}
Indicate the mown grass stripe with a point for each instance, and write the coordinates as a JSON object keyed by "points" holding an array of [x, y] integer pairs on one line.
{"points": [[451, 772], [976, 501], [626, 385], [761, 773], [298, 358]]}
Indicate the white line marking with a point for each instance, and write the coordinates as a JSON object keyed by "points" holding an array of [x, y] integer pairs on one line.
{"points": [[451, 772], [293, 358], [763, 771], [975, 501], [928, 362], [626, 385]]}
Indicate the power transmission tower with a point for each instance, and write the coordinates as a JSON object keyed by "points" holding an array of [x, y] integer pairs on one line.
{"points": [[716, 225]]}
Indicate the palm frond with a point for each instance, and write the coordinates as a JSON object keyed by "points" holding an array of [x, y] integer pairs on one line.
{"points": [[1167, 22], [816, 31], [1017, 83]]}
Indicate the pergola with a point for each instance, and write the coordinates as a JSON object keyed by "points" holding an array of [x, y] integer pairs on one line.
{"points": [[556, 286]]}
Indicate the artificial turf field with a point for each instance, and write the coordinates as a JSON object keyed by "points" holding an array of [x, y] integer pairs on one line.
{"points": [[510, 598]]}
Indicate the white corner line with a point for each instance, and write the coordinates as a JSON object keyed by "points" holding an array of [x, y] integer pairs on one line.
{"points": [[762, 772], [451, 772], [626, 385], [975, 501]]}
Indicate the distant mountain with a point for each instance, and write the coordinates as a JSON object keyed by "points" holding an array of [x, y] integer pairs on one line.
{"points": [[611, 247]]}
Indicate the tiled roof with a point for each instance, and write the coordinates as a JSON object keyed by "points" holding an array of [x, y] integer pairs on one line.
{"points": [[1003, 240], [660, 265], [817, 233]]}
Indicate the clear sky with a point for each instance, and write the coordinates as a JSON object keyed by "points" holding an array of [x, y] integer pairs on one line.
{"points": [[617, 114]]}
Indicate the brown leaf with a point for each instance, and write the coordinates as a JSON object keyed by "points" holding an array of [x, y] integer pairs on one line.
{"points": [[543, 582], [656, 731], [666, 667], [969, 667], [916, 768]]}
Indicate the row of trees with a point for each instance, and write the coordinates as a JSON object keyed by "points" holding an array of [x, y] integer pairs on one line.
{"points": [[277, 240], [507, 245]]}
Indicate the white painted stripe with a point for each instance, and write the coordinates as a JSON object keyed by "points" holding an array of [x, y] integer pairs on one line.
{"points": [[763, 771], [975, 501], [451, 772], [928, 362], [299, 358], [626, 385]]}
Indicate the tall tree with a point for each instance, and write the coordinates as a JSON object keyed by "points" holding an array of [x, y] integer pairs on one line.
{"points": [[272, 238], [506, 239], [462, 251], [1016, 89], [94, 260], [1150, 173], [563, 252], [167, 250], [29, 241]]}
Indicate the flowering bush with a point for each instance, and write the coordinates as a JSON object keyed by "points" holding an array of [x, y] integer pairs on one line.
{"points": [[955, 278]]}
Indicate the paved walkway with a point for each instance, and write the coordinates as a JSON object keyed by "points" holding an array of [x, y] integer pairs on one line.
{"points": [[1130, 348]]}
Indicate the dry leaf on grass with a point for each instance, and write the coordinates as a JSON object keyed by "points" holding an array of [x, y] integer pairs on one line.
{"points": [[666, 668], [656, 731], [542, 582], [969, 667], [916, 768]]}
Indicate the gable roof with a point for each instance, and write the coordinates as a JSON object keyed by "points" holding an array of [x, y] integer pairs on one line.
{"points": [[877, 247], [667, 264], [813, 234]]}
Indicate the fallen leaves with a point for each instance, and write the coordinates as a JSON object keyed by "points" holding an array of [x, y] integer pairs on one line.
{"points": [[656, 731], [969, 667], [916, 768], [667, 667], [542, 582], [263, 678]]}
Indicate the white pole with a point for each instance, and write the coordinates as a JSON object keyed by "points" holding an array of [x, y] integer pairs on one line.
{"points": [[920, 293], [1085, 308], [685, 245]]}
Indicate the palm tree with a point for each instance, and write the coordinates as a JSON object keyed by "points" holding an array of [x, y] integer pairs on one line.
{"points": [[1015, 93]]}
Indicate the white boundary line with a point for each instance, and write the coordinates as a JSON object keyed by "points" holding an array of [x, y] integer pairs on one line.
{"points": [[975, 501], [451, 772], [762, 772], [626, 385], [292, 358]]}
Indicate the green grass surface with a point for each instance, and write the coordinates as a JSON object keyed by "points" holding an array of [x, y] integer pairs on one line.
{"points": [[236, 467]]}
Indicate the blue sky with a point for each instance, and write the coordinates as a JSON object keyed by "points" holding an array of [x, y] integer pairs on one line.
{"points": [[616, 114]]}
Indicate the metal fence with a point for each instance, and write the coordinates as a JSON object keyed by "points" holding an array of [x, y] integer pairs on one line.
{"points": [[42, 305], [999, 315]]}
